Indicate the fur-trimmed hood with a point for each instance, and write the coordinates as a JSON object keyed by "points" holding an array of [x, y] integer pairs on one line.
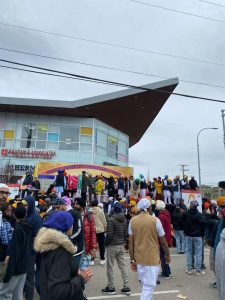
{"points": [[50, 239]]}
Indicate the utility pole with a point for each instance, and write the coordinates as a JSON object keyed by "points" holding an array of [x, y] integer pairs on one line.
{"points": [[223, 120], [183, 168]]}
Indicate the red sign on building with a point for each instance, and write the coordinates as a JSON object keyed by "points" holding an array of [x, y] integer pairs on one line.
{"points": [[46, 154]]}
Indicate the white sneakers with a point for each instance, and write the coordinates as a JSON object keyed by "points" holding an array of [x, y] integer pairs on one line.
{"points": [[92, 263], [102, 262], [200, 273]]}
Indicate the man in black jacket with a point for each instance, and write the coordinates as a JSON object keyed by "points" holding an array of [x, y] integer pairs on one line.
{"points": [[19, 255], [193, 225], [116, 235]]}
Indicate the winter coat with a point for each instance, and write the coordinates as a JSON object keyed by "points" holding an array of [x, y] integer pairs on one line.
{"points": [[85, 184], [19, 250], [176, 221], [211, 230], [220, 266], [100, 220], [116, 232], [59, 279], [89, 231], [32, 216], [164, 217], [193, 223], [121, 185]]}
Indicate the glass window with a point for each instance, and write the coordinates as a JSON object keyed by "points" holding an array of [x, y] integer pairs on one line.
{"points": [[2, 124], [1, 137], [7, 143], [53, 137], [41, 145], [41, 136], [112, 143], [10, 125], [101, 150], [42, 127], [29, 131], [27, 144], [69, 134], [103, 127], [86, 130], [9, 134], [101, 139], [112, 154], [85, 147], [85, 157], [53, 146], [86, 139], [68, 146], [53, 128], [86, 122], [122, 147]]}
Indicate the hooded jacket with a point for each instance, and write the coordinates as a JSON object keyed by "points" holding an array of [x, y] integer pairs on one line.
{"points": [[59, 279], [164, 217], [192, 223], [89, 231], [220, 266], [116, 232], [32, 216], [100, 220], [19, 250]]}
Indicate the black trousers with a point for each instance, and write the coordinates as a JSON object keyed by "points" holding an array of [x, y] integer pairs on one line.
{"points": [[101, 244]]}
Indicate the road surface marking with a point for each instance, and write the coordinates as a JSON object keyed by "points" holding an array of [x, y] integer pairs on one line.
{"points": [[133, 295]]}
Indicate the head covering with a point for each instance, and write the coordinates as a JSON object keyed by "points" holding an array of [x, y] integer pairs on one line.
{"points": [[100, 205], [67, 201], [81, 202], [221, 201], [213, 202], [59, 201], [118, 208], [61, 221], [194, 203], [4, 187], [166, 176], [110, 198], [20, 212], [144, 204], [160, 205], [94, 203]]}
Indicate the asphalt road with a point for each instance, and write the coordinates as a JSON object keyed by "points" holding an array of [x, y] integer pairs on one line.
{"points": [[191, 286]]}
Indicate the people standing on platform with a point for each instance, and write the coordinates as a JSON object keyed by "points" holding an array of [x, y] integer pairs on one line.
{"points": [[184, 183], [159, 189], [110, 186], [99, 185], [84, 185], [91, 188], [100, 225], [60, 183], [146, 234], [116, 235], [167, 190], [143, 186], [121, 186], [193, 185], [176, 187]]}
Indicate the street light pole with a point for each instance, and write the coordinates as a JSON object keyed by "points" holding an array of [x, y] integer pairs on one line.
{"points": [[223, 115], [199, 168]]}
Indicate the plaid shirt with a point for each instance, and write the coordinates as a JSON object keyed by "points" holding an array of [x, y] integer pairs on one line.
{"points": [[6, 233]]}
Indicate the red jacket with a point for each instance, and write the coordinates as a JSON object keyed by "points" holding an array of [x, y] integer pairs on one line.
{"points": [[164, 217], [89, 231]]}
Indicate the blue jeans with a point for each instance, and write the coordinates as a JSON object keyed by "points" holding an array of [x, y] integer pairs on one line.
{"points": [[180, 241], [197, 242], [165, 267]]}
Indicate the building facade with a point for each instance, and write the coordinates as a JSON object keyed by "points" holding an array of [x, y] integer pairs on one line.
{"points": [[26, 139]]}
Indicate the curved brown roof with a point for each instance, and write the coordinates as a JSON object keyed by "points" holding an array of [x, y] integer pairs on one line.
{"points": [[130, 110]]}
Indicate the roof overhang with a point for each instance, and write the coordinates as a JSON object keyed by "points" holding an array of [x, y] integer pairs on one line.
{"points": [[130, 110]]}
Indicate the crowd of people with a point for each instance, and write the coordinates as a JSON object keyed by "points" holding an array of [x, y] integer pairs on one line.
{"points": [[43, 233]]}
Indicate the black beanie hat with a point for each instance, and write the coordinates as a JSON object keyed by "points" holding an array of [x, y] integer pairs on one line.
{"points": [[20, 212], [81, 202]]}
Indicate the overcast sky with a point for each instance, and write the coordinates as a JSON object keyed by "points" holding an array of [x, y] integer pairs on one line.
{"points": [[171, 138]]}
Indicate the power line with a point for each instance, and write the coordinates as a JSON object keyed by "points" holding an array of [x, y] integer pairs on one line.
{"points": [[178, 11], [109, 68], [216, 4], [94, 79], [113, 44]]}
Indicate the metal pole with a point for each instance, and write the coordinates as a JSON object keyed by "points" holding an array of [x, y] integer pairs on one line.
{"points": [[199, 167], [223, 120]]}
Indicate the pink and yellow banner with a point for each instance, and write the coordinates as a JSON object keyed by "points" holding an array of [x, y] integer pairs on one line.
{"points": [[51, 168]]}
